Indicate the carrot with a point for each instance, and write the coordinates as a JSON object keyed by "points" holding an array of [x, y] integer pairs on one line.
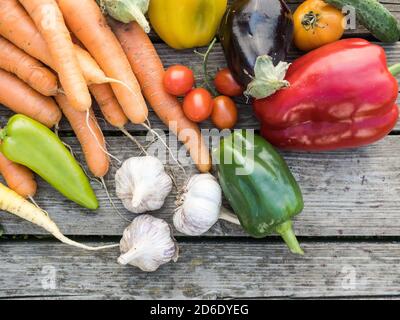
{"points": [[109, 105], [13, 203], [20, 98], [85, 19], [149, 70], [28, 69], [24, 34], [18, 28], [89, 135], [49, 20], [18, 178]]}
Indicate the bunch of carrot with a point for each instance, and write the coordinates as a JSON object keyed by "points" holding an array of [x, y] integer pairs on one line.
{"points": [[67, 50], [54, 56]]}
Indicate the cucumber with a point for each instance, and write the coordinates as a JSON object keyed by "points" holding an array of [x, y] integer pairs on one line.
{"points": [[374, 16]]}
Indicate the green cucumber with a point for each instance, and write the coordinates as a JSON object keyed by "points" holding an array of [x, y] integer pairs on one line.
{"points": [[374, 16]]}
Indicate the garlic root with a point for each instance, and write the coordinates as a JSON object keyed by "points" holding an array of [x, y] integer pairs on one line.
{"points": [[229, 216]]}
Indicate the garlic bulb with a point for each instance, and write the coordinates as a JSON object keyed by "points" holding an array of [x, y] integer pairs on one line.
{"points": [[147, 244], [142, 184], [200, 206]]}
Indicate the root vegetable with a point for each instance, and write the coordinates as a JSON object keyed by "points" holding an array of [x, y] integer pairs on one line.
{"points": [[89, 135], [21, 98], [13, 203], [149, 70], [85, 19], [28, 69], [18, 178], [50, 23]]}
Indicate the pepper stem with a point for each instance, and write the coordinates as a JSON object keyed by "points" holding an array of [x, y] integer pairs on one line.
{"points": [[285, 230], [395, 69]]}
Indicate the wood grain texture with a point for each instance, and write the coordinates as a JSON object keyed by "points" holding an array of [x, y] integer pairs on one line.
{"points": [[208, 270], [349, 193]]}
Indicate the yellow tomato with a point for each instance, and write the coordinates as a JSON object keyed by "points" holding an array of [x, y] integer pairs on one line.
{"points": [[317, 23]]}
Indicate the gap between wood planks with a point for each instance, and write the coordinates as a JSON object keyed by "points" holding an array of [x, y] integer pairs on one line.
{"points": [[269, 240]]}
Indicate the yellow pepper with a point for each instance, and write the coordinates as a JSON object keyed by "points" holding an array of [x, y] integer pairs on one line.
{"points": [[185, 24]]}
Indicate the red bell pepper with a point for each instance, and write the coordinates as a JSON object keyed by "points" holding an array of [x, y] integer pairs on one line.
{"points": [[341, 95]]}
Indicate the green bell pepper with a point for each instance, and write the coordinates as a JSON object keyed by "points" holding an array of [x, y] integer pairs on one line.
{"points": [[259, 186], [29, 143]]}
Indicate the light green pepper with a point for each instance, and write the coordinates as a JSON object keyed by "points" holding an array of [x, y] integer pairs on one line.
{"points": [[29, 143]]}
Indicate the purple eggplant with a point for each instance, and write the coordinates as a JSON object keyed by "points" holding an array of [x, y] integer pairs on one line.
{"points": [[252, 28]]}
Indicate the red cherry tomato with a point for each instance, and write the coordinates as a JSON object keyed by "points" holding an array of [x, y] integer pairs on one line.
{"points": [[198, 105], [178, 80], [226, 84], [225, 113]]}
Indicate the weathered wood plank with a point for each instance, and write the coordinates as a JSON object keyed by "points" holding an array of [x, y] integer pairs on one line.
{"points": [[208, 270], [217, 61], [350, 193]]}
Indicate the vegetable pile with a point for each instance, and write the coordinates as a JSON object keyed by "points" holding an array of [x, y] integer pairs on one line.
{"points": [[57, 55]]}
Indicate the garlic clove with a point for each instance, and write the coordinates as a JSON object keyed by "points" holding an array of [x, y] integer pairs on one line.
{"points": [[142, 184], [147, 244], [201, 205]]}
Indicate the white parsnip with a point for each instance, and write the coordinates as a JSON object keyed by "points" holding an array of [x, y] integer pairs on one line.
{"points": [[13, 203]]}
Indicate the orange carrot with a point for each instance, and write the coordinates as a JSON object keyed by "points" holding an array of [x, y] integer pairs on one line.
{"points": [[149, 70], [109, 105], [89, 135], [85, 19], [26, 36], [49, 20], [28, 69], [91, 70], [101, 91], [18, 28], [21, 98], [18, 178]]}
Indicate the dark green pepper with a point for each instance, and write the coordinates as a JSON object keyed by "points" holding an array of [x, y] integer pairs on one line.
{"points": [[29, 143], [259, 186]]}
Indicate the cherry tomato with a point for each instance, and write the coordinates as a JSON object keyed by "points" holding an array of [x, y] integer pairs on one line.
{"points": [[178, 80], [225, 113], [198, 105], [226, 84]]}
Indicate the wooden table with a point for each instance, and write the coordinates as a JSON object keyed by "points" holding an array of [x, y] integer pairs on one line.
{"points": [[350, 229]]}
